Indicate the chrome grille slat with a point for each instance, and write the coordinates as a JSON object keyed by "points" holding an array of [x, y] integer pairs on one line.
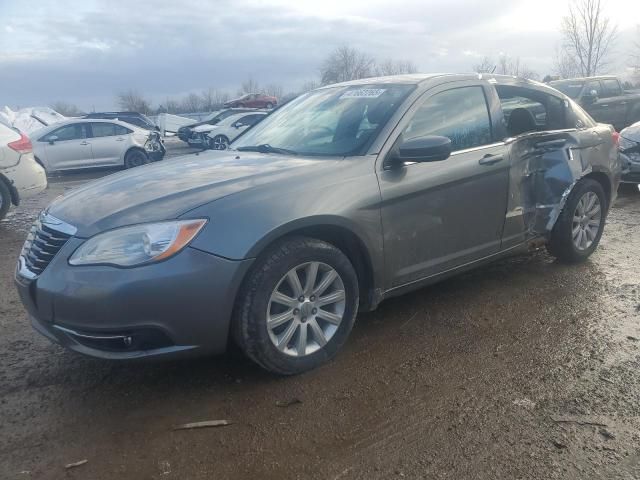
{"points": [[44, 242]]}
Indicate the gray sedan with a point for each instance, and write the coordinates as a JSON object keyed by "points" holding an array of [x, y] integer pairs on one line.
{"points": [[348, 195]]}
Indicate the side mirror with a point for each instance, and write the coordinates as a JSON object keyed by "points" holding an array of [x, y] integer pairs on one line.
{"points": [[238, 125], [53, 139], [431, 148]]}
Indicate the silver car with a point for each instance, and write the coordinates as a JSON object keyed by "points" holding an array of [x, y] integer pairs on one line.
{"points": [[95, 143]]}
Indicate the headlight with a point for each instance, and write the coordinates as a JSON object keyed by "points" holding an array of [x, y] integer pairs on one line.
{"points": [[138, 244]]}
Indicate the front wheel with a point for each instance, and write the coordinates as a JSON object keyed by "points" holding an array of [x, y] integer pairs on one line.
{"points": [[219, 142], [297, 306], [579, 227]]}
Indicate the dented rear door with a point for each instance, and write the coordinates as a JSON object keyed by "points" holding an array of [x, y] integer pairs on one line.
{"points": [[544, 168]]}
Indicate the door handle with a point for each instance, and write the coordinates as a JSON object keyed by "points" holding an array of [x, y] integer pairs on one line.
{"points": [[84, 143], [119, 139], [490, 159], [623, 103], [551, 143], [604, 105]]}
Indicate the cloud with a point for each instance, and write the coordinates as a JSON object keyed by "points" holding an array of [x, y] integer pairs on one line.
{"points": [[89, 50]]}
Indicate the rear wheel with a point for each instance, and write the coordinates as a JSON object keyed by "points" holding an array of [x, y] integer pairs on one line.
{"points": [[5, 199], [135, 158], [577, 231], [297, 306], [269, 106]]}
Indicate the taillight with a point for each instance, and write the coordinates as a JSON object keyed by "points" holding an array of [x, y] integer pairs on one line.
{"points": [[21, 146], [615, 136]]}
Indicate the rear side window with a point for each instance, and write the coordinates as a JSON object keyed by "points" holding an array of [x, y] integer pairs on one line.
{"points": [[250, 119], [611, 88], [460, 114], [578, 118], [593, 85], [104, 129], [75, 131]]}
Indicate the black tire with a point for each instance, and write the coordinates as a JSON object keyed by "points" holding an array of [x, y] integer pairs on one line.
{"points": [[135, 158], [249, 323], [5, 199], [269, 106], [561, 244], [219, 142]]}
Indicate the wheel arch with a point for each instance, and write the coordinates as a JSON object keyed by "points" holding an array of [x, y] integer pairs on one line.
{"points": [[342, 237], [604, 181], [132, 149]]}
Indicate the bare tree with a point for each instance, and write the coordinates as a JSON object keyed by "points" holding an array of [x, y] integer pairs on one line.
{"points": [[486, 66], [249, 86], [212, 99], [191, 103], [394, 67], [346, 63], [133, 101], [588, 36], [635, 59], [66, 109], [565, 65], [274, 89], [308, 86]]}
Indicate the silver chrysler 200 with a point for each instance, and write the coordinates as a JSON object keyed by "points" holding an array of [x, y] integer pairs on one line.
{"points": [[346, 196]]}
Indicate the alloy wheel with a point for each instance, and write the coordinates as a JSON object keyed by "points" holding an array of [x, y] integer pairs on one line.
{"points": [[220, 143], [586, 221], [305, 309]]}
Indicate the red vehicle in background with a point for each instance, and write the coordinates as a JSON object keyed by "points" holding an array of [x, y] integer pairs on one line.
{"points": [[252, 100]]}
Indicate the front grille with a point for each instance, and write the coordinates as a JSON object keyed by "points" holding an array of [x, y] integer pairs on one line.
{"points": [[43, 242]]}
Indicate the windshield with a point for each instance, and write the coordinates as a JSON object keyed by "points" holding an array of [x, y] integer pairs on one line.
{"points": [[570, 88], [336, 121]]}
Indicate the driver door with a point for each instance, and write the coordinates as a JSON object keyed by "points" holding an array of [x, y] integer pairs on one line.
{"points": [[442, 214]]}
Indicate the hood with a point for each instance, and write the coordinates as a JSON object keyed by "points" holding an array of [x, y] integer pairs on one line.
{"points": [[632, 132], [166, 190], [204, 128]]}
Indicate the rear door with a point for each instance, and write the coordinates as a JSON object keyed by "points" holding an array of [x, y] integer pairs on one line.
{"points": [[439, 215], [71, 148], [108, 143], [616, 102], [544, 166]]}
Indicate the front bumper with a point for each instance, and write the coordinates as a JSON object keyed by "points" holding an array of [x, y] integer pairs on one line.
{"points": [[630, 167], [176, 308]]}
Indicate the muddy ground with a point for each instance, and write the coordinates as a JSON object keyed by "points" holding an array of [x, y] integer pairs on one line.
{"points": [[523, 369]]}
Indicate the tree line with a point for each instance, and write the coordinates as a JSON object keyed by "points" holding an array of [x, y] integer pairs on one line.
{"points": [[588, 40]]}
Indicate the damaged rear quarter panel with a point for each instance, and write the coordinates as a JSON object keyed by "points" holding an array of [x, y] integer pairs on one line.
{"points": [[545, 166]]}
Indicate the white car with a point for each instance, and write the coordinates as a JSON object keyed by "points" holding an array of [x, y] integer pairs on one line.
{"points": [[83, 143], [220, 135], [20, 175]]}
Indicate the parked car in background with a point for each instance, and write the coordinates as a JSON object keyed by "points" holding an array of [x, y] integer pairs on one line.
{"points": [[219, 136], [186, 133], [83, 143], [133, 118], [20, 175], [630, 153], [603, 98], [346, 196], [252, 100]]}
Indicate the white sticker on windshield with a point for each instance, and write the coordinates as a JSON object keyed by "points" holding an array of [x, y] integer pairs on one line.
{"points": [[363, 93]]}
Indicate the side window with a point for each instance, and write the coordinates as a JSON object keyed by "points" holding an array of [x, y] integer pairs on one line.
{"points": [[593, 85], [103, 129], [577, 117], [514, 102], [68, 132], [120, 130], [460, 114], [248, 120], [611, 88]]}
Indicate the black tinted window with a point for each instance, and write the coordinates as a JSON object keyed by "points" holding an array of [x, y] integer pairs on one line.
{"points": [[460, 114], [611, 88], [120, 130], [68, 132], [250, 119], [593, 85]]}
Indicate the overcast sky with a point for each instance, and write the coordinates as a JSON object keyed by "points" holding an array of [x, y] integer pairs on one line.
{"points": [[85, 51]]}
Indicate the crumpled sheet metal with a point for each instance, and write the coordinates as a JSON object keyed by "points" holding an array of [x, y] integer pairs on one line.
{"points": [[542, 180]]}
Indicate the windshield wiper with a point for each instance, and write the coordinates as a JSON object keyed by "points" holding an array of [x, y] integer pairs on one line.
{"points": [[266, 148]]}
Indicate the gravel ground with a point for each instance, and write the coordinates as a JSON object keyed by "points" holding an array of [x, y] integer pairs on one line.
{"points": [[522, 369]]}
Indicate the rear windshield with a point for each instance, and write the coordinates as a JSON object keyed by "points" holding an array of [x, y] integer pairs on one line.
{"points": [[570, 88]]}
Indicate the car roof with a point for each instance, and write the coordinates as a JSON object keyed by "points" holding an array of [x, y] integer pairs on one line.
{"points": [[91, 120], [584, 79]]}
